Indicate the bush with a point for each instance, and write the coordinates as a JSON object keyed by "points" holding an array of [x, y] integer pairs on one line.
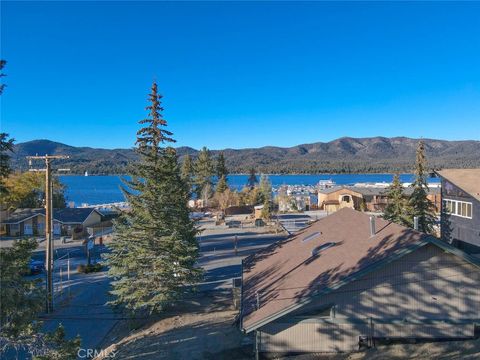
{"points": [[86, 269]]}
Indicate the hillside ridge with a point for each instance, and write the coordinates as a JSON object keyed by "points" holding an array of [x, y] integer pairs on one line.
{"points": [[342, 155]]}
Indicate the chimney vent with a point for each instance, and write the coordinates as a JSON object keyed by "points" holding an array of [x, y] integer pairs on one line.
{"points": [[415, 222], [372, 226]]}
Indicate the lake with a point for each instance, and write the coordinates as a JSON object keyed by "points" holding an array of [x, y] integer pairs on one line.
{"points": [[106, 189]]}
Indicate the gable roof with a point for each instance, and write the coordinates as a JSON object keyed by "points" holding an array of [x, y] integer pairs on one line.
{"points": [[20, 215], [65, 216], [466, 179], [73, 215], [288, 274]]}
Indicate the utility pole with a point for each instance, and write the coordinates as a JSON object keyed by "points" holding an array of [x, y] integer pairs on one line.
{"points": [[48, 222]]}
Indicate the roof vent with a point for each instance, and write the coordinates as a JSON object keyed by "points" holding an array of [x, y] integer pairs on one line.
{"points": [[372, 226], [318, 249]]}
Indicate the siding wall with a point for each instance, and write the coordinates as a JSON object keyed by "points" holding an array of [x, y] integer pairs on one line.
{"points": [[410, 297], [465, 231]]}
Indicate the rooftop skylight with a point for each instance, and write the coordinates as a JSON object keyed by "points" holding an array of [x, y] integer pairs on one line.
{"points": [[311, 236]]}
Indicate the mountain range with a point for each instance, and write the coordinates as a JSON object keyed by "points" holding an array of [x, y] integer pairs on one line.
{"points": [[343, 155]]}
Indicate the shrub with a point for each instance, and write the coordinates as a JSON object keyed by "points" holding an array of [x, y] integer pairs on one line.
{"points": [[86, 269]]}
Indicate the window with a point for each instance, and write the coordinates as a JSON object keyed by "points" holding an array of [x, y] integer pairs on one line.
{"points": [[346, 198], [458, 208]]}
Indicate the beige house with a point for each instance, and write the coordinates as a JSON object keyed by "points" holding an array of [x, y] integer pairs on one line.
{"points": [[350, 279], [333, 199], [67, 222], [372, 199]]}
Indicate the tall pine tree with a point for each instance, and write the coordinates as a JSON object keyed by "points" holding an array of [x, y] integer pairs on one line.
{"points": [[222, 185], [396, 209], [187, 171], [204, 172], [446, 225], [6, 145], [265, 189], [252, 179], [419, 205], [154, 250], [220, 167], [221, 172]]}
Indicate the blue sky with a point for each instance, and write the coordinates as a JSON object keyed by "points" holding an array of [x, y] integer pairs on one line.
{"points": [[241, 74]]}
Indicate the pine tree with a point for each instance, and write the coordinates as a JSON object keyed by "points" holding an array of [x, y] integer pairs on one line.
{"points": [[187, 171], [265, 189], [396, 209], [154, 251], [419, 205], [446, 225], [266, 210], [203, 174], [252, 179], [22, 299], [222, 185], [220, 167], [6, 146], [2, 65]]}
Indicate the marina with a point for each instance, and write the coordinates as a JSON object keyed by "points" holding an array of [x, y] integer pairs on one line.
{"points": [[95, 190]]}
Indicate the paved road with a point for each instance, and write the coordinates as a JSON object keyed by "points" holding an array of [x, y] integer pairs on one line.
{"points": [[219, 260]]}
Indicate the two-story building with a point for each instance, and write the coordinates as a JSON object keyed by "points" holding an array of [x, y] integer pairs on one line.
{"points": [[461, 204], [373, 199]]}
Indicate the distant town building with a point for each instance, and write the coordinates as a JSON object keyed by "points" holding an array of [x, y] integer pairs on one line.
{"points": [[351, 278], [367, 198], [461, 201]]}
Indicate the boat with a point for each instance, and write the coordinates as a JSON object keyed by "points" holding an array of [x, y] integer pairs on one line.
{"points": [[86, 173]]}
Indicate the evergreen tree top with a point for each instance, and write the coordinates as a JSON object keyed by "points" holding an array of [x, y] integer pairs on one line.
{"points": [[420, 167], [221, 168], [153, 135]]}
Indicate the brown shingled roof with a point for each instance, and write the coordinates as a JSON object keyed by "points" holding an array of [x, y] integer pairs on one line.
{"points": [[466, 179], [286, 274]]}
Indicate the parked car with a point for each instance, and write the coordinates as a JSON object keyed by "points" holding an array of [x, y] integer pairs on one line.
{"points": [[36, 266]]}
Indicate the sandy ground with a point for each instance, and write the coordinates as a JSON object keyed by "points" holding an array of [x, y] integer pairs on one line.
{"points": [[200, 329]]}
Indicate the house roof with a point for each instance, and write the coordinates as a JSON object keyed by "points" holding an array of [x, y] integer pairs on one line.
{"points": [[287, 276], [72, 215], [466, 179], [20, 215], [66, 216]]}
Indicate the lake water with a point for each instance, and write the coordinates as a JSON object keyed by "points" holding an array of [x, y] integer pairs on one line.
{"points": [[106, 189]]}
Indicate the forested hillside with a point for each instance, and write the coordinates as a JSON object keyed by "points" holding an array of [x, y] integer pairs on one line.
{"points": [[344, 155]]}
